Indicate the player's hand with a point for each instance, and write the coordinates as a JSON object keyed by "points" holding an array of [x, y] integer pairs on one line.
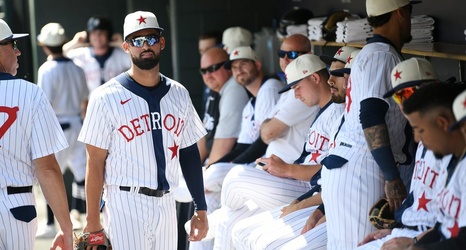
{"points": [[290, 208], [275, 166], [80, 37], [117, 40], [395, 192], [379, 234], [199, 226], [316, 218], [401, 243], [62, 241]]}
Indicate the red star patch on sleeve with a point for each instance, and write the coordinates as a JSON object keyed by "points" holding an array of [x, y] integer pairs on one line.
{"points": [[174, 150], [314, 156], [141, 19], [423, 202], [397, 75], [455, 230]]}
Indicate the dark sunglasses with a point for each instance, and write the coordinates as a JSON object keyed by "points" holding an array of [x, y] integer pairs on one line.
{"points": [[212, 68], [139, 41], [290, 54], [10, 42]]}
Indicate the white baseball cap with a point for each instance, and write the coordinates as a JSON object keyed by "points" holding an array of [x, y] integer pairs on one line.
{"points": [[52, 34], [409, 73], [303, 66], [6, 34], [459, 110], [236, 37], [380, 7], [140, 20], [244, 52], [349, 62], [341, 55]]}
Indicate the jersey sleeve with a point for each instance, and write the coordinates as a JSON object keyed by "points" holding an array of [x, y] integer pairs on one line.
{"points": [[266, 99], [47, 136], [232, 102], [194, 129], [45, 83], [293, 111]]}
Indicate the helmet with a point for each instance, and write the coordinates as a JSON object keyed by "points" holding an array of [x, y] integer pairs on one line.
{"points": [[294, 16], [100, 23]]}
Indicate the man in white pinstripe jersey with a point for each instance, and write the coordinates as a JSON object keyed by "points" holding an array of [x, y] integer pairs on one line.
{"points": [[375, 137], [139, 128], [30, 135]]}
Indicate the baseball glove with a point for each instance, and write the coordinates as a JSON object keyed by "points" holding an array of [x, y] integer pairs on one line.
{"points": [[98, 239], [381, 217]]}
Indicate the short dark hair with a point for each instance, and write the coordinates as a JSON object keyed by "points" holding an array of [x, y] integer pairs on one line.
{"points": [[377, 21], [432, 96], [212, 34], [55, 49]]}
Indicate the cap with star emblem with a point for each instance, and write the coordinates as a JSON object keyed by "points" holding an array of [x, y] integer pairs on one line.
{"points": [[459, 110], [303, 66], [234, 37], [409, 73], [243, 52], [380, 7], [347, 68], [341, 55], [140, 20]]}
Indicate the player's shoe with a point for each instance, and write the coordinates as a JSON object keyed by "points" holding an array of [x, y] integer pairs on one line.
{"points": [[46, 232], [76, 219]]}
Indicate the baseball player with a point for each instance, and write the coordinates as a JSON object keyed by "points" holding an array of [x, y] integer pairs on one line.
{"points": [[272, 185], [139, 128], [417, 213], [272, 229], [29, 136], [375, 137], [431, 110], [64, 84], [100, 61]]}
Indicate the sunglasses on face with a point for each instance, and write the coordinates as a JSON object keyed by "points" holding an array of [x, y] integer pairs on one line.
{"points": [[212, 68], [139, 41], [15, 47], [290, 54], [403, 94]]}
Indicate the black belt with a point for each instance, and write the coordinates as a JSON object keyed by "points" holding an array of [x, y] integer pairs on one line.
{"points": [[147, 191], [19, 190]]}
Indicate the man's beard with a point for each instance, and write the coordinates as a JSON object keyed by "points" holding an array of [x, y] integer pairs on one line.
{"points": [[146, 63]]}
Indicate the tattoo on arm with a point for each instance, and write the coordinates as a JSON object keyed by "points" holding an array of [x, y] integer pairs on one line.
{"points": [[377, 136]]}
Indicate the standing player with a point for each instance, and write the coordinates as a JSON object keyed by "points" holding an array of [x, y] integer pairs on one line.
{"points": [[29, 136], [64, 84], [139, 128], [374, 138], [100, 61]]}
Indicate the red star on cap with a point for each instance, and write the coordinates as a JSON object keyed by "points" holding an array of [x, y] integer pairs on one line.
{"points": [[454, 231], [349, 59], [397, 75], [174, 150], [305, 71], [141, 20], [314, 156], [339, 51], [235, 52], [423, 202], [428, 73], [464, 103]]}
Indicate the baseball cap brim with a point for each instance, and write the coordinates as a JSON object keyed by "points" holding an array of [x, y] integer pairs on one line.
{"points": [[288, 86], [14, 37], [329, 59], [340, 72], [457, 124], [405, 85], [227, 65]]}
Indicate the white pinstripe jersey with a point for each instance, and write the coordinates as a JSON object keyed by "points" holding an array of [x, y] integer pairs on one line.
{"points": [[255, 114], [370, 78], [117, 63], [64, 84], [319, 136], [451, 211], [424, 183], [132, 123], [29, 130], [298, 117]]}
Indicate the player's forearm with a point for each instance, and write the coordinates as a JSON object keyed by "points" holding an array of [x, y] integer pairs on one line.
{"points": [[220, 148], [51, 182], [271, 129], [311, 201], [94, 182], [303, 172]]}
